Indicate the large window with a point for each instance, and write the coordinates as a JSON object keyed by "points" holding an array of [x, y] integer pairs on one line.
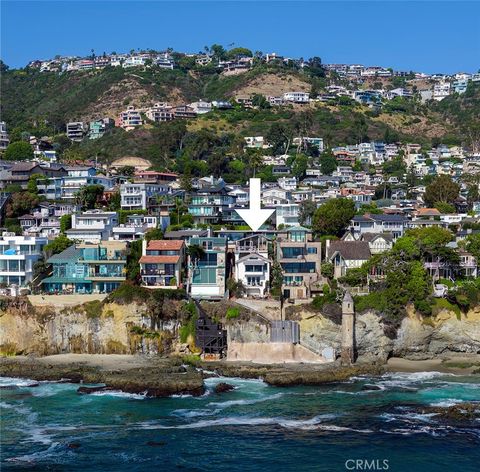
{"points": [[291, 252], [299, 267]]}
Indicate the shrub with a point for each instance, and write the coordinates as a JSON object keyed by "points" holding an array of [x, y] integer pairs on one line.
{"points": [[93, 309], [232, 312]]}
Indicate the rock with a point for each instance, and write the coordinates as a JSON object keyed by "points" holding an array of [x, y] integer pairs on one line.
{"points": [[223, 387], [461, 412], [73, 445], [371, 387], [88, 390]]}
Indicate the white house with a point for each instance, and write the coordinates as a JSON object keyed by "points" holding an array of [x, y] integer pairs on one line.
{"points": [[92, 226], [18, 255], [134, 196], [296, 97]]}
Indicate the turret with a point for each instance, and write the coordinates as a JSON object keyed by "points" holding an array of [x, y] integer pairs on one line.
{"points": [[348, 330]]}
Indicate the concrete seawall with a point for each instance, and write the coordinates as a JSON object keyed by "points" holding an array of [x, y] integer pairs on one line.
{"points": [[271, 353]]}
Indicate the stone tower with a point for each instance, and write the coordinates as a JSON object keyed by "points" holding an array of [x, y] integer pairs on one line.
{"points": [[348, 330]]}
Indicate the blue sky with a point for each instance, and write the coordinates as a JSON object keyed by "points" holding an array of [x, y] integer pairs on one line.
{"points": [[429, 36]]}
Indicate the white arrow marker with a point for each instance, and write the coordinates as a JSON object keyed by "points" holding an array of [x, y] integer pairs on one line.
{"points": [[255, 216]]}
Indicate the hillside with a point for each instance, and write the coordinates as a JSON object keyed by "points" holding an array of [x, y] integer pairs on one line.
{"points": [[41, 104]]}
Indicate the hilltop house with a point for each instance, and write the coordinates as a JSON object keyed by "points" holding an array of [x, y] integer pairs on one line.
{"points": [[161, 263]]}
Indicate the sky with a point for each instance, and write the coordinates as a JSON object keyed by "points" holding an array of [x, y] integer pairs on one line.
{"points": [[427, 36]]}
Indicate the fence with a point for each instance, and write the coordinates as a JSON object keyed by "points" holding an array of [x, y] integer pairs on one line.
{"points": [[285, 332]]}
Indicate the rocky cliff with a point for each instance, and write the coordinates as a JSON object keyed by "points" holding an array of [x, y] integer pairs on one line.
{"points": [[416, 338], [92, 328]]}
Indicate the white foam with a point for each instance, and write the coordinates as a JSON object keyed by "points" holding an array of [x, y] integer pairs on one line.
{"points": [[119, 394], [252, 401], [185, 413], [37, 456], [16, 382]]}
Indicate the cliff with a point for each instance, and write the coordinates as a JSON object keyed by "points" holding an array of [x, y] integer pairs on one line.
{"points": [[91, 328], [416, 338]]}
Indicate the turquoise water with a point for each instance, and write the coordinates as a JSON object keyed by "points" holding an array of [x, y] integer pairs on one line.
{"points": [[254, 427]]}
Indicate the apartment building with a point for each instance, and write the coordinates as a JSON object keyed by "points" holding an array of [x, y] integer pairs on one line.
{"points": [[18, 255], [161, 263]]}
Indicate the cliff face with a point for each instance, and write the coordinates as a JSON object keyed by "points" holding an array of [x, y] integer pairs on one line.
{"points": [[417, 338], [97, 329]]}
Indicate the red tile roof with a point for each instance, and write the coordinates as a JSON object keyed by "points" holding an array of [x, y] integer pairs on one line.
{"points": [[165, 245], [159, 259]]}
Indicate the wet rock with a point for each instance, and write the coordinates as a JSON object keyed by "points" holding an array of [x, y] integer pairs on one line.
{"points": [[371, 387], [88, 390], [223, 387], [73, 445], [156, 443], [461, 412]]}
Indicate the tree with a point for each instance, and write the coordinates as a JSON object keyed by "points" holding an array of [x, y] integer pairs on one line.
{"points": [[195, 252], [18, 151], [58, 245], [259, 100], [154, 234], [306, 212], [65, 223], [442, 189], [132, 266], [255, 160], [21, 203], [128, 171], [88, 196], [333, 216], [32, 182], [276, 280], [473, 246], [300, 166], [328, 163], [444, 207]]}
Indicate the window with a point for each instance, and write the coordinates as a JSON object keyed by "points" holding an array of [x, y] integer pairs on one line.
{"points": [[311, 250], [254, 268]]}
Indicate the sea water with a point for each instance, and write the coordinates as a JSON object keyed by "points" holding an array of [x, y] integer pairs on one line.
{"points": [[342, 426]]}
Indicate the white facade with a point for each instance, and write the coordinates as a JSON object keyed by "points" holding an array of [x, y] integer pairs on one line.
{"points": [[18, 255], [296, 97], [4, 140], [134, 196], [92, 226], [253, 271]]}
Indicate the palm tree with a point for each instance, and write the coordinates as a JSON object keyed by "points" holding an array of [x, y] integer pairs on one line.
{"points": [[255, 160]]}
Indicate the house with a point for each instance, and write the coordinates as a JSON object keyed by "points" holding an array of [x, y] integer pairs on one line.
{"points": [[135, 196], [201, 107], [345, 255], [296, 97], [160, 112], [208, 273], [383, 223], [165, 61], [130, 119], [184, 111], [4, 140], [300, 259], [18, 255], [212, 205], [96, 129], [161, 263], [252, 265], [76, 130], [441, 90], [135, 228], [20, 173], [92, 226], [88, 268]]}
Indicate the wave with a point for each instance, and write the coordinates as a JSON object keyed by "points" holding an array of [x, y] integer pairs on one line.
{"points": [[252, 401], [52, 451], [17, 382], [119, 394], [181, 395], [185, 413]]}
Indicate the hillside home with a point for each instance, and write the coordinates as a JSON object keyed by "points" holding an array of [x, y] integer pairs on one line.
{"points": [[97, 128], [160, 112], [18, 255], [92, 226], [135, 196], [212, 205], [296, 97], [300, 259], [76, 130], [395, 224], [4, 139], [130, 119], [345, 255], [161, 263]]}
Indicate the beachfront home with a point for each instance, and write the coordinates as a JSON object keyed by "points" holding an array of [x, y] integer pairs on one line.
{"points": [[88, 268], [207, 269], [92, 225], [18, 255], [300, 259], [161, 263], [345, 255]]}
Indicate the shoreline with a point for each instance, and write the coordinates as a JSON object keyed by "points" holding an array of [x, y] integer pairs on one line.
{"points": [[162, 377]]}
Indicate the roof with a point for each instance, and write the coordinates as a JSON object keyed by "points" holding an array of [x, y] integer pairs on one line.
{"points": [[185, 233], [428, 212], [253, 255], [71, 254], [350, 250], [370, 237], [165, 245], [159, 259], [298, 228], [21, 166]]}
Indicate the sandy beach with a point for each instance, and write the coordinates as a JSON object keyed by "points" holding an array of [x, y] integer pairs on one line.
{"points": [[457, 365]]}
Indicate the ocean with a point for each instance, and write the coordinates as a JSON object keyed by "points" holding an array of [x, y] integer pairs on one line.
{"points": [[361, 424]]}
